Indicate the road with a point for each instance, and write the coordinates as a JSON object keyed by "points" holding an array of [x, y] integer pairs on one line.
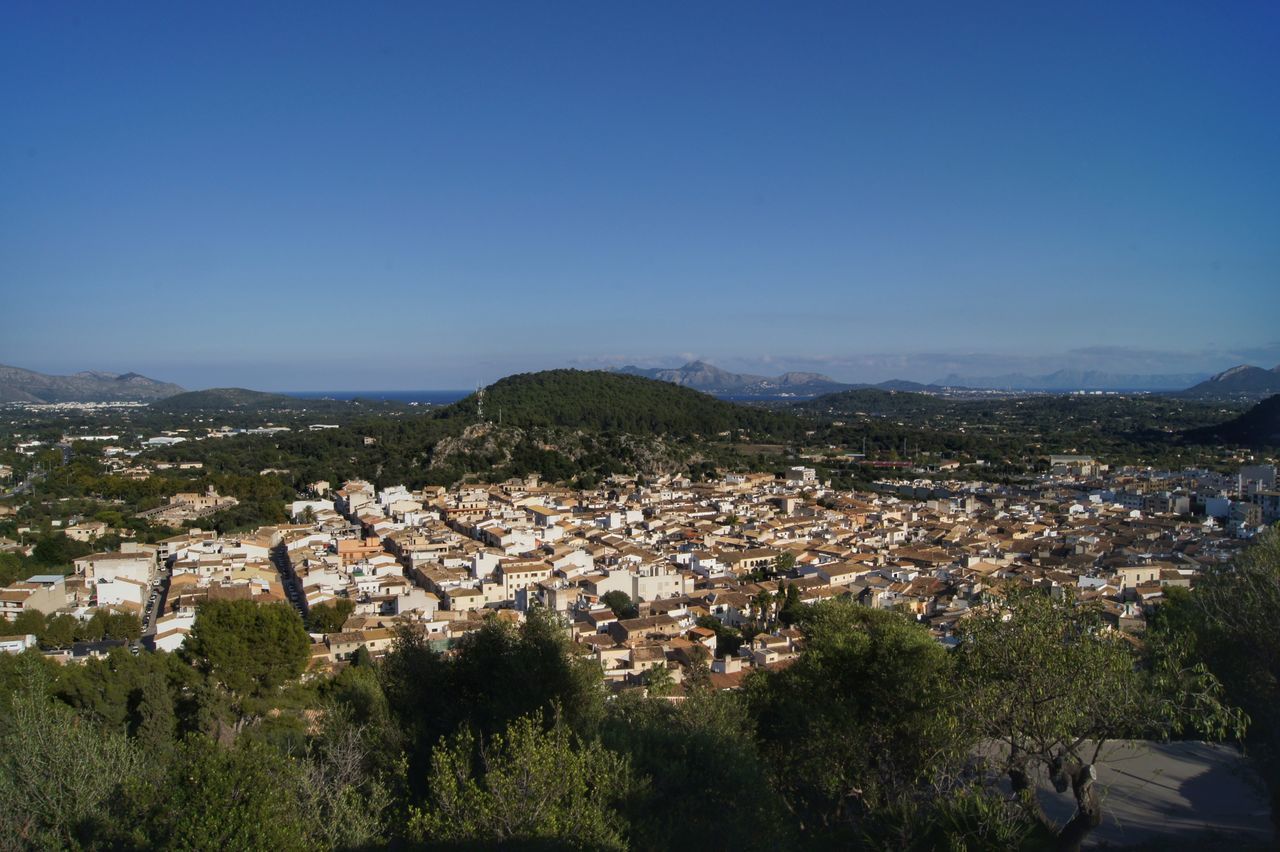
{"points": [[280, 559], [25, 486], [159, 591], [1156, 794]]}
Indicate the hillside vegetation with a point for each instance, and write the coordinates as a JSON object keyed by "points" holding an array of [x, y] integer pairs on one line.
{"points": [[1124, 429], [221, 398], [245, 400], [614, 402], [1257, 427]]}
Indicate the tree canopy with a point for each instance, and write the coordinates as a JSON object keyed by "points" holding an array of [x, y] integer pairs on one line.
{"points": [[330, 616], [528, 784], [865, 716], [249, 648]]}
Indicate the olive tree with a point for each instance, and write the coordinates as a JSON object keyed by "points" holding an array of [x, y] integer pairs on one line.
{"points": [[1049, 684]]}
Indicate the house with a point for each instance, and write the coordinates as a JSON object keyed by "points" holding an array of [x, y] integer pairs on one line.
{"points": [[16, 644], [463, 599], [124, 592], [343, 646], [745, 561], [798, 477], [172, 630], [351, 550], [634, 629], [110, 566], [43, 592], [86, 531]]}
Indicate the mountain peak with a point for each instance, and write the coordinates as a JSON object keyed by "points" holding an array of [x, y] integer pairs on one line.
{"points": [[1234, 371], [19, 385], [1243, 381]]}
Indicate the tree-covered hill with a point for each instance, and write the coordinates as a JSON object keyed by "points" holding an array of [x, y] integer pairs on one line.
{"points": [[245, 400], [565, 425], [1257, 427], [1110, 414], [875, 401], [613, 402], [222, 399]]}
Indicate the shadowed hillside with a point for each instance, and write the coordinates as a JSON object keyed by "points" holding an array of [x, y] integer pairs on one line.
{"points": [[614, 402]]}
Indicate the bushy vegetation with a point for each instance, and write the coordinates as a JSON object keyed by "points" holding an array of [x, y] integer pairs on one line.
{"points": [[56, 630], [1227, 623], [52, 553], [868, 740]]}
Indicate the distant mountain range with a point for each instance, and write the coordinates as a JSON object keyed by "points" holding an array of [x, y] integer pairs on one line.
{"points": [[1069, 380], [19, 385], [1242, 382], [708, 378], [699, 375]]}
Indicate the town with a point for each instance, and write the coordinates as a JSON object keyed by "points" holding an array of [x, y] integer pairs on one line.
{"points": [[661, 573], [710, 596]]}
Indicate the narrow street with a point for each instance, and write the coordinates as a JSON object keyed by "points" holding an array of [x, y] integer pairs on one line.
{"points": [[292, 591], [153, 606]]}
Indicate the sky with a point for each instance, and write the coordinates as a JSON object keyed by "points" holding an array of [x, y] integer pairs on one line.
{"points": [[322, 195]]}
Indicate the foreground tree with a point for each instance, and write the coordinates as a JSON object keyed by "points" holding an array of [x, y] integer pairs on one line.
{"points": [[862, 719], [210, 797], [57, 773], [1050, 684], [343, 796], [704, 784], [495, 675], [248, 648], [529, 785], [1228, 621]]}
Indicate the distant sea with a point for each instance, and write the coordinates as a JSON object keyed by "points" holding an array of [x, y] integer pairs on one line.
{"points": [[422, 397]]}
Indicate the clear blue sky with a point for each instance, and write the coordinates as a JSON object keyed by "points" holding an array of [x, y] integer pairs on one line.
{"points": [[343, 195]]}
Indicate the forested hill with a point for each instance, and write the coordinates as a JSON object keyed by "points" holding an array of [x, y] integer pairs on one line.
{"points": [[221, 399], [244, 400], [1257, 427], [565, 425], [875, 401], [593, 400], [1034, 414]]}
